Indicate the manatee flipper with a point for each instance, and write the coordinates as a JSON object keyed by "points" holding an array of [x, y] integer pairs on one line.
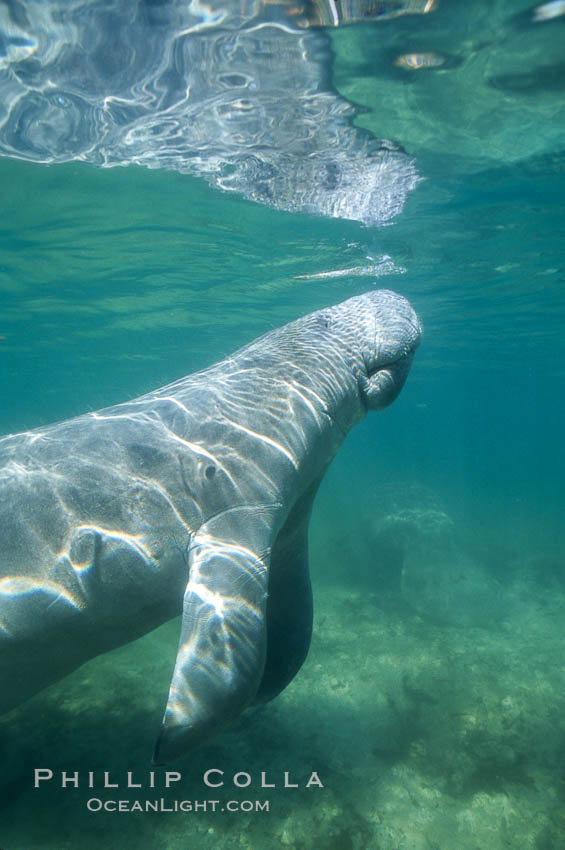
{"points": [[246, 624], [289, 605], [223, 640]]}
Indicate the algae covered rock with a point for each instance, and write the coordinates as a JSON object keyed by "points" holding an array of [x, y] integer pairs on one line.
{"points": [[435, 574]]}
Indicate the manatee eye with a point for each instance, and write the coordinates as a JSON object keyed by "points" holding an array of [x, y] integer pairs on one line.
{"points": [[209, 472]]}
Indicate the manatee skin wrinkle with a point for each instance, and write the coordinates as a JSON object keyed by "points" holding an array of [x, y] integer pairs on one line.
{"points": [[193, 499]]}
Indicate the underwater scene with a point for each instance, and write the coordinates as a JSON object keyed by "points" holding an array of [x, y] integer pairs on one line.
{"points": [[179, 179]]}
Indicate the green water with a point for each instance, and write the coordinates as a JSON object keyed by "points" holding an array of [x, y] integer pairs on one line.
{"points": [[432, 701]]}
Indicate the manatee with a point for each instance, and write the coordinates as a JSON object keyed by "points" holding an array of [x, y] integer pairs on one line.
{"points": [[192, 499]]}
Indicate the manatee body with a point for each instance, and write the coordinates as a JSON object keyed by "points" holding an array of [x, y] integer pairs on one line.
{"points": [[192, 499]]}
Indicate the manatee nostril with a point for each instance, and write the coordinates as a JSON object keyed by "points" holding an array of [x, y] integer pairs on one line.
{"points": [[209, 472]]}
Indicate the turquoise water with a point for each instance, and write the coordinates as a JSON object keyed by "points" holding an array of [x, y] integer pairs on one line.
{"points": [[432, 701]]}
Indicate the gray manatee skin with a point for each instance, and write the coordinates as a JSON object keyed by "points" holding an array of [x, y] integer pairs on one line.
{"points": [[194, 498]]}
